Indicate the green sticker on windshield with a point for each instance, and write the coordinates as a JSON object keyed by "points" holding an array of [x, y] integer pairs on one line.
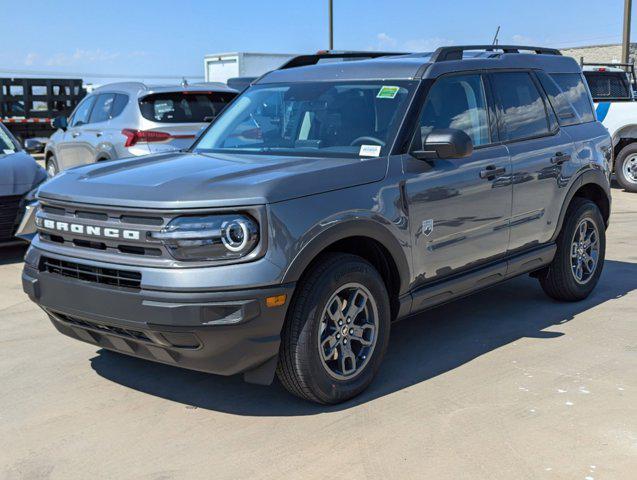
{"points": [[387, 92]]}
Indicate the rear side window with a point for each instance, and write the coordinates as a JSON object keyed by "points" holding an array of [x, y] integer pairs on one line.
{"points": [[565, 112], [608, 85], [184, 107], [102, 109], [522, 110], [119, 104], [576, 94]]}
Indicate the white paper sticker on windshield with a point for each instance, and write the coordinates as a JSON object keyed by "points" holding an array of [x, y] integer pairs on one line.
{"points": [[8, 152], [369, 151]]}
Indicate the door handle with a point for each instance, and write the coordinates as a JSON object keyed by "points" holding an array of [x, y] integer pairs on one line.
{"points": [[75, 134], [98, 134], [491, 172], [560, 158]]}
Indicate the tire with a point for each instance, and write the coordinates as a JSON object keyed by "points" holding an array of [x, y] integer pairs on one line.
{"points": [[626, 167], [310, 329], [51, 166], [561, 280]]}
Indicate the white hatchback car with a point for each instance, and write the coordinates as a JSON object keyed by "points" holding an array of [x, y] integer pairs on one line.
{"points": [[129, 119]]}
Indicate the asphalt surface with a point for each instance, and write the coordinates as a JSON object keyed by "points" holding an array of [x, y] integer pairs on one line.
{"points": [[504, 384]]}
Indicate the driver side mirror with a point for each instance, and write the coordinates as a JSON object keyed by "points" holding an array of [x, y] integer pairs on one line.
{"points": [[60, 122], [445, 144], [31, 145]]}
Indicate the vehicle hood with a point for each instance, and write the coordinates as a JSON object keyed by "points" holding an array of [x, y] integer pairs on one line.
{"points": [[196, 180], [19, 174]]}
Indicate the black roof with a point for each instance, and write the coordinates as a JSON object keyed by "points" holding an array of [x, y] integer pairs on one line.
{"points": [[416, 66]]}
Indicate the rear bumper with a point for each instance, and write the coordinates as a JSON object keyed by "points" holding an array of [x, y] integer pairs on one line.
{"points": [[225, 333]]}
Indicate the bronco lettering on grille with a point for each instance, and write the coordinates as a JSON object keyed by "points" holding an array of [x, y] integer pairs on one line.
{"points": [[91, 230]]}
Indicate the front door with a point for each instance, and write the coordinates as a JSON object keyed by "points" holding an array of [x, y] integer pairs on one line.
{"points": [[69, 148], [459, 209]]}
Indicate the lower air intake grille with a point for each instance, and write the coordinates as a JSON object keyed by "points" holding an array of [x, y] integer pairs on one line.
{"points": [[124, 332], [105, 276], [8, 215]]}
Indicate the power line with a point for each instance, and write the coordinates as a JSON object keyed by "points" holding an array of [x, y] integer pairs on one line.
{"points": [[51, 73]]}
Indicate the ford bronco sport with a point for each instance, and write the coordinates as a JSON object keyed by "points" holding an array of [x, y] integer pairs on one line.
{"points": [[328, 200]]}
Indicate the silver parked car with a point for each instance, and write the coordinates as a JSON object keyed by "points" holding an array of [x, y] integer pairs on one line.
{"points": [[129, 119]]}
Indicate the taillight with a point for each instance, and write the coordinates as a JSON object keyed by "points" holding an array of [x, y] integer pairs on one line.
{"points": [[134, 137]]}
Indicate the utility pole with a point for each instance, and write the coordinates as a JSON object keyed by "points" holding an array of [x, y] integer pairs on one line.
{"points": [[626, 36], [331, 21]]}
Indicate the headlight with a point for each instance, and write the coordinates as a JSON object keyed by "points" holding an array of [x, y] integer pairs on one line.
{"points": [[31, 196], [215, 237]]}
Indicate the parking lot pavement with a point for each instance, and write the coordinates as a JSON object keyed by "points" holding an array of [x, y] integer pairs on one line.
{"points": [[504, 384]]}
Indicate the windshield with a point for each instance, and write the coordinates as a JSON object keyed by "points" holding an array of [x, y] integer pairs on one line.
{"points": [[312, 119], [7, 145]]}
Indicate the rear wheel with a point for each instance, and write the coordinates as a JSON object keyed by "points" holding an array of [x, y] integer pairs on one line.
{"points": [[336, 331], [626, 167], [51, 166], [579, 259]]}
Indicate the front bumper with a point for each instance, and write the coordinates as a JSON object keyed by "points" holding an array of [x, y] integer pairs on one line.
{"points": [[221, 332]]}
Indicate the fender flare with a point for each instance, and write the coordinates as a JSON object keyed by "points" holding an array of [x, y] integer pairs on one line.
{"points": [[590, 176], [351, 228]]}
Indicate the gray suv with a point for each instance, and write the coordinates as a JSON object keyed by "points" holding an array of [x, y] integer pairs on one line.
{"points": [[130, 119], [330, 199]]}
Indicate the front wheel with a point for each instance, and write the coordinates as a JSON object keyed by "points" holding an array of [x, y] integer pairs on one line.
{"points": [[579, 259], [336, 330], [51, 167], [626, 167]]}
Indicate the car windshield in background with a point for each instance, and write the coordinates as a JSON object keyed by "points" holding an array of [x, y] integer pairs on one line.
{"points": [[6, 144], [608, 85], [184, 107], [312, 118]]}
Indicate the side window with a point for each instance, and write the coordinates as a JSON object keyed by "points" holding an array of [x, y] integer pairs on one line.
{"points": [[119, 104], [81, 115], [459, 102], [102, 110], [522, 110], [560, 102], [576, 93]]}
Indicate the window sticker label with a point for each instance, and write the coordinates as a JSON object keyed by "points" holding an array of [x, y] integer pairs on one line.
{"points": [[369, 151], [388, 92], [8, 152]]}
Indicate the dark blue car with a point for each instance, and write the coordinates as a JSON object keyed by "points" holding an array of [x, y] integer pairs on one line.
{"points": [[20, 176]]}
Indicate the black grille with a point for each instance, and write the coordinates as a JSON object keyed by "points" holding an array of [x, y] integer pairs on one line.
{"points": [[105, 276], [608, 85], [124, 332], [9, 207]]}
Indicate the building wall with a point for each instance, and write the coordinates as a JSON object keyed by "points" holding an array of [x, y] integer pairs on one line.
{"points": [[600, 53]]}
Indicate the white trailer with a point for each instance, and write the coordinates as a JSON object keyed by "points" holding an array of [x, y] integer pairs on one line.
{"points": [[219, 67]]}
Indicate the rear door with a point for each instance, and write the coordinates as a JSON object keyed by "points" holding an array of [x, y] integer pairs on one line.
{"points": [[459, 209], [541, 157], [180, 115]]}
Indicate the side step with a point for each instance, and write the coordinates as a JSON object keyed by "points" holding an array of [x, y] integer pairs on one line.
{"points": [[463, 284]]}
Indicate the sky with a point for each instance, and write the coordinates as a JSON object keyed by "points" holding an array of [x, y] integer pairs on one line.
{"points": [[148, 39]]}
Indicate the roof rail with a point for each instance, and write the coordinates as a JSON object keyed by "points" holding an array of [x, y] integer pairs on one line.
{"points": [[305, 60], [455, 53]]}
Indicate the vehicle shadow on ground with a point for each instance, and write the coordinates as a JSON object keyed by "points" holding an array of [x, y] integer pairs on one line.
{"points": [[421, 347], [12, 253]]}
